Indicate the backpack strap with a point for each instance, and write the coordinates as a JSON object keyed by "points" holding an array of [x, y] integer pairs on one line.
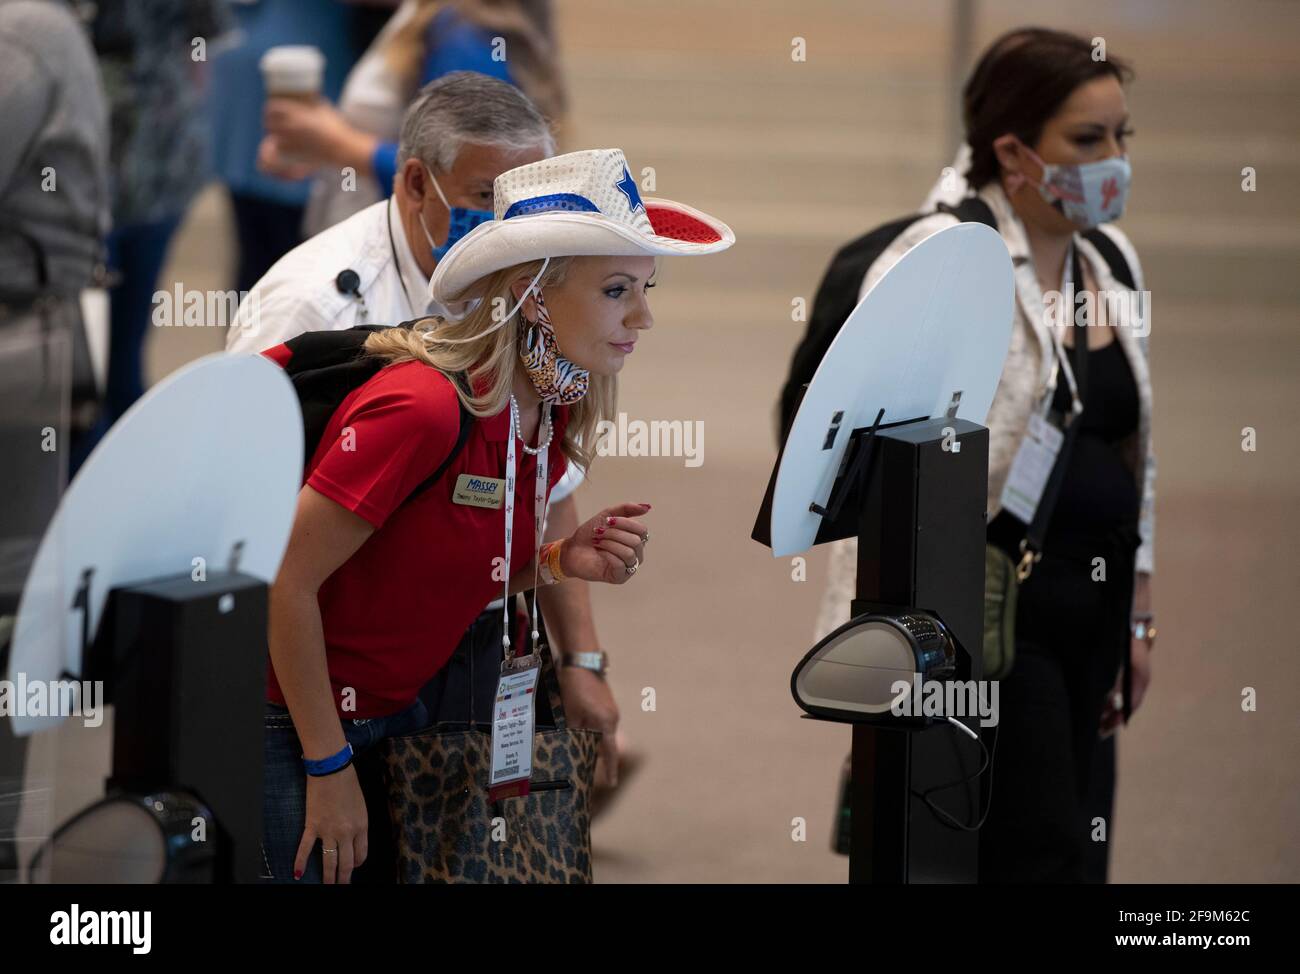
{"points": [[326, 366], [461, 381], [970, 209], [1112, 255], [466, 424]]}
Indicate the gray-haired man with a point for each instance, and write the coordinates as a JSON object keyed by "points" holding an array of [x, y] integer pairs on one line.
{"points": [[462, 131]]}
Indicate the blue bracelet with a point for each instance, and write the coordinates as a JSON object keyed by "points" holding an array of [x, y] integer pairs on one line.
{"points": [[335, 762]]}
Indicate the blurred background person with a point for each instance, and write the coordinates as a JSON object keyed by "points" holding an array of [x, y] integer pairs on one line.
{"points": [[54, 213], [511, 40], [267, 211], [155, 78]]}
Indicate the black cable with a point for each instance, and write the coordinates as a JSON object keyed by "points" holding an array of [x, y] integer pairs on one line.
{"points": [[949, 820]]}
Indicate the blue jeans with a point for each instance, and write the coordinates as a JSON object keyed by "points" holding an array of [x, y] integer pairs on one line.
{"points": [[284, 794]]}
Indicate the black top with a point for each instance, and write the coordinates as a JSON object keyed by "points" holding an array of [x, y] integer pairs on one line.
{"points": [[1100, 493], [1099, 496]]}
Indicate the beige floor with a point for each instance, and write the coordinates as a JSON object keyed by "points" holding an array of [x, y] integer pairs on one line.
{"points": [[800, 156]]}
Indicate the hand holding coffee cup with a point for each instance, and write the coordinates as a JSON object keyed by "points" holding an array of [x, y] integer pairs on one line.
{"points": [[304, 131], [294, 73]]}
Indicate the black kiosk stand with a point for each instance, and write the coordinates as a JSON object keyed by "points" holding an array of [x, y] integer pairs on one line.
{"points": [[910, 481], [120, 598], [915, 499], [184, 664]]}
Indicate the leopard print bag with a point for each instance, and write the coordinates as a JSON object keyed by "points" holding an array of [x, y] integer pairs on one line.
{"points": [[442, 820]]}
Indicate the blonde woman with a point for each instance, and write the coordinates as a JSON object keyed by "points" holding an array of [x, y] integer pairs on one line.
{"points": [[376, 587]]}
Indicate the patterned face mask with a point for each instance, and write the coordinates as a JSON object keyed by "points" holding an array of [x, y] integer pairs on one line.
{"points": [[1087, 194], [555, 378]]}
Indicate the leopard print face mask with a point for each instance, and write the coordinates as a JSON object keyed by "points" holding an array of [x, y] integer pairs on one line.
{"points": [[556, 379]]}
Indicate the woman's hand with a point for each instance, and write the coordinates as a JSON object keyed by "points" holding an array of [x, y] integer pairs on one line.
{"points": [[314, 133], [588, 702], [1112, 714], [336, 815], [608, 548]]}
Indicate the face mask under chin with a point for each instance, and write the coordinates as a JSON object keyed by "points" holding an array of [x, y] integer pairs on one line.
{"points": [[556, 379]]}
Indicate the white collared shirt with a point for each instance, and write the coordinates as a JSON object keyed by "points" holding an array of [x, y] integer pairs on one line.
{"points": [[300, 292]]}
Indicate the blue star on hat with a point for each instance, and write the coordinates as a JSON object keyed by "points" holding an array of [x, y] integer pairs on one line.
{"points": [[627, 186]]}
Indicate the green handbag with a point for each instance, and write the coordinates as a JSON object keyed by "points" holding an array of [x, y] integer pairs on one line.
{"points": [[1000, 589]]}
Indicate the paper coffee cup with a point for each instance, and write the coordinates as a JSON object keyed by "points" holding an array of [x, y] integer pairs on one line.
{"points": [[293, 71]]}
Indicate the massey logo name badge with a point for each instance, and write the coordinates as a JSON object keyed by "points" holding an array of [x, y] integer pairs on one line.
{"points": [[478, 491]]}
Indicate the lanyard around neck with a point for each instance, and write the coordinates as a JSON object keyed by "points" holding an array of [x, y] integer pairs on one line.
{"points": [[539, 512], [397, 262], [1060, 360]]}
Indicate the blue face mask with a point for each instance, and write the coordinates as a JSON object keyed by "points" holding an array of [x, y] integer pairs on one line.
{"points": [[460, 221]]}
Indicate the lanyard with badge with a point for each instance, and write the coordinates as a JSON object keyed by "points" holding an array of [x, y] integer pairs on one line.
{"points": [[513, 710], [513, 713], [1037, 458]]}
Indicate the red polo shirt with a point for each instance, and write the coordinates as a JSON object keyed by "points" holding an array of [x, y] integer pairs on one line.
{"points": [[395, 611]]}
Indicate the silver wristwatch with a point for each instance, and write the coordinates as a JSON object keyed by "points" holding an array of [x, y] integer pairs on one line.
{"points": [[597, 662]]}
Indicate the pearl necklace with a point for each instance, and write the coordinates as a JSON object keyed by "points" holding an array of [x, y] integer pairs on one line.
{"points": [[532, 451]]}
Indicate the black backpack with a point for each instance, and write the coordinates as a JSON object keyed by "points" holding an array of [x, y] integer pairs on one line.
{"points": [[837, 295], [325, 366]]}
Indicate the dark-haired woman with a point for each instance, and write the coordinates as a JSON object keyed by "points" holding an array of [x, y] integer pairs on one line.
{"points": [[1046, 130]]}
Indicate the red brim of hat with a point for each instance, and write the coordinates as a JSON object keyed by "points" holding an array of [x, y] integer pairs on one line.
{"points": [[675, 230], [675, 224]]}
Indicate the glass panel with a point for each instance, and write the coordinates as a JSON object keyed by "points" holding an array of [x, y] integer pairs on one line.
{"points": [[35, 383]]}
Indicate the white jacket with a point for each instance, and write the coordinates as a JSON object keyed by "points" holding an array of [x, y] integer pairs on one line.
{"points": [[1025, 380]]}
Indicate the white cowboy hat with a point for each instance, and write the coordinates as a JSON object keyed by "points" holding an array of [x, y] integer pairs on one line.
{"points": [[578, 204]]}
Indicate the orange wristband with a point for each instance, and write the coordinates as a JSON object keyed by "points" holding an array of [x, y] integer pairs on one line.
{"points": [[553, 560]]}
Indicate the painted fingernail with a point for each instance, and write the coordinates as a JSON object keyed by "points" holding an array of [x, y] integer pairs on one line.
{"points": [[297, 874], [609, 520], [600, 531]]}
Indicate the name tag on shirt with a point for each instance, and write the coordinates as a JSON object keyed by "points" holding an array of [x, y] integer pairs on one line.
{"points": [[476, 491], [1031, 468]]}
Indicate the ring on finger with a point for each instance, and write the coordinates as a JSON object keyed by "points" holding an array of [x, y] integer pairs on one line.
{"points": [[631, 569]]}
